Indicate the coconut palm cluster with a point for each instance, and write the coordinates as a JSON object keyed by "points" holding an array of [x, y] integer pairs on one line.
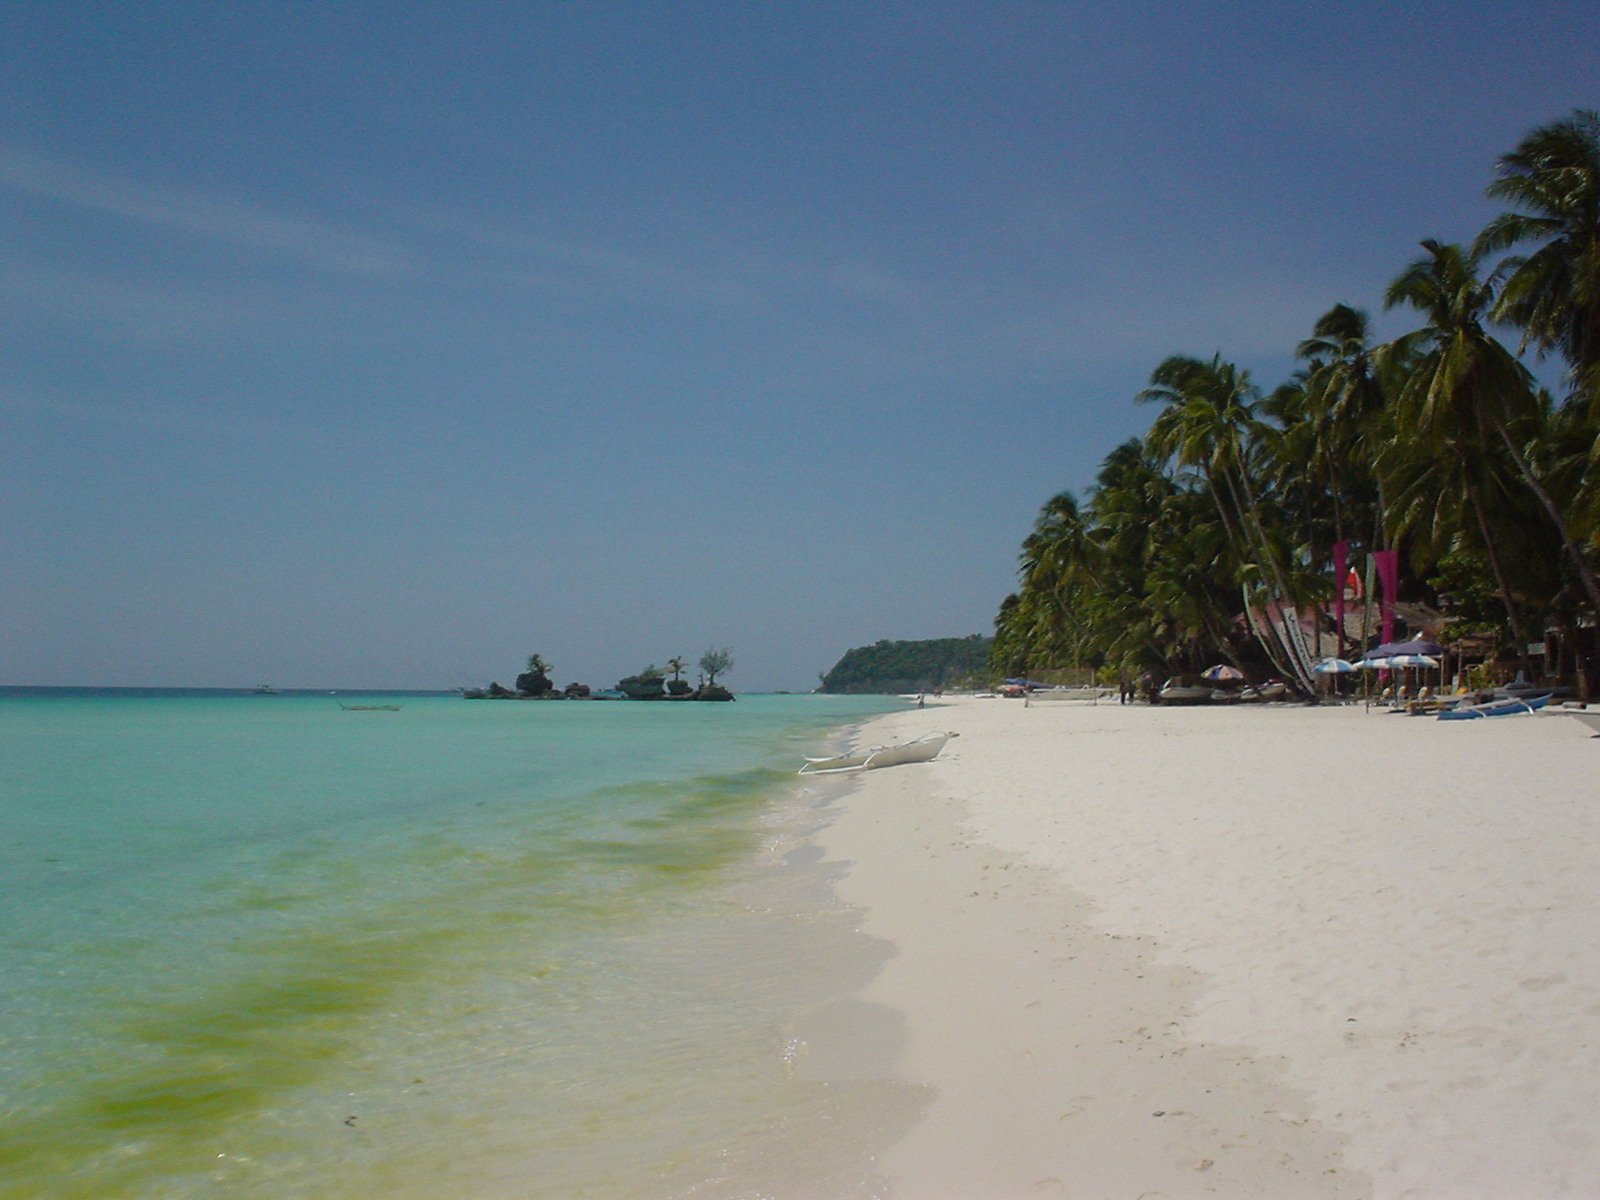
{"points": [[1441, 445]]}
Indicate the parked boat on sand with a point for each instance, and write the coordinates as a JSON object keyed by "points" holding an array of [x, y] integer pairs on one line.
{"points": [[1272, 689], [1505, 706], [922, 749], [1175, 691]]}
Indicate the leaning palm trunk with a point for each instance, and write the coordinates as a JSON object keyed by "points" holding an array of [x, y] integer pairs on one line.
{"points": [[1235, 527], [1286, 626], [1369, 580], [1500, 581], [1366, 606], [1581, 564], [1335, 483], [1573, 551]]}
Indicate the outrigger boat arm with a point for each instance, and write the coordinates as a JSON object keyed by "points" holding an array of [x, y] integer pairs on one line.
{"points": [[923, 749]]}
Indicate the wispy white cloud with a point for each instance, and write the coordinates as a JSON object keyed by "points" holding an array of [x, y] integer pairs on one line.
{"points": [[700, 266], [540, 260], [199, 214], [130, 310]]}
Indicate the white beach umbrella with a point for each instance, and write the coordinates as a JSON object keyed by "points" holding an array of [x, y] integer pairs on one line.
{"points": [[1412, 660]]}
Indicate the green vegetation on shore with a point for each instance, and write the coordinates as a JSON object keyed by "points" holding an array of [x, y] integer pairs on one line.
{"points": [[1439, 444], [896, 667]]}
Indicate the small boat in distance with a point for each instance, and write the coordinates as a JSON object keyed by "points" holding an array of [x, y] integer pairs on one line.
{"points": [[922, 749], [370, 707], [263, 689]]}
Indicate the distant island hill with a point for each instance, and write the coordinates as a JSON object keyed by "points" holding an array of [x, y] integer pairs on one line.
{"points": [[883, 668], [896, 668], [652, 683]]}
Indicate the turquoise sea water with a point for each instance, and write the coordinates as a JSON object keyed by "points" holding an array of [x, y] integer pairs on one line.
{"points": [[265, 946]]}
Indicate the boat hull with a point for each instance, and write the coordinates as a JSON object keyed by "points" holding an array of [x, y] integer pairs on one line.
{"points": [[1495, 708], [923, 749]]}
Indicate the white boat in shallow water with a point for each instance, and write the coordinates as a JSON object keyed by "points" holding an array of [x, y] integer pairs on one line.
{"points": [[923, 749]]}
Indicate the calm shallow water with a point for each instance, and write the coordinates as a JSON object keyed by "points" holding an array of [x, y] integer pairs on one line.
{"points": [[262, 946]]}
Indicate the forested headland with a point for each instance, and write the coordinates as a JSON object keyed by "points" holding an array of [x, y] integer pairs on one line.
{"points": [[900, 667]]}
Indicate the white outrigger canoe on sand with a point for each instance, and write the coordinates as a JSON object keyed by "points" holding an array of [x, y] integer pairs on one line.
{"points": [[923, 749]]}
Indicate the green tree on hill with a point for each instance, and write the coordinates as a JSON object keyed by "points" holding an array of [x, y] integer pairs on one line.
{"points": [[907, 666]]}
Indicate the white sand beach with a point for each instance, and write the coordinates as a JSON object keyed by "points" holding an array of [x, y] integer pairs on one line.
{"points": [[1275, 951]]}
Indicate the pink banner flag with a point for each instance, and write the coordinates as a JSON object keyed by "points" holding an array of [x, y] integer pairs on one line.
{"points": [[1388, 564], [1341, 557]]}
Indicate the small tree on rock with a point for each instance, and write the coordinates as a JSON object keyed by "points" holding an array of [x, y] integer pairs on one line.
{"points": [[716, 662], [535, 681], [676, 686]]}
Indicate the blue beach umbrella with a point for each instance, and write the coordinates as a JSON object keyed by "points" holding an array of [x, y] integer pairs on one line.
{"points": [[1334, 666], [1390, 649]]}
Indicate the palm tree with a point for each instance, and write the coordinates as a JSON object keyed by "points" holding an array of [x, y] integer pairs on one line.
{"points": [[1344, 403], [1345, 398], [1058, 544], [537, 665], [1553, 294], [676, 665], [1465, 382], [1009, 651], [1207, 419], [1296, 459], [1132, 513], [1054, 567], [1209, 423], [1460, 395], [1190, 593]]}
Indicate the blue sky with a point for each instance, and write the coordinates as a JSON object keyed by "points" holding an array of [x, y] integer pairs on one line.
{"points": [[383, 345]]}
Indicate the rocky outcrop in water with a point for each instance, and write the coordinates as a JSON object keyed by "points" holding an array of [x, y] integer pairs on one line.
{"points": [[534, 683], [645, 686]]}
